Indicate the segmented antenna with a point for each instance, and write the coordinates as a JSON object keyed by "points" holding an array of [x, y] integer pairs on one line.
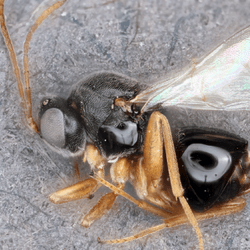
{"points": [[25, 98], [33, 28], [12, 56]]}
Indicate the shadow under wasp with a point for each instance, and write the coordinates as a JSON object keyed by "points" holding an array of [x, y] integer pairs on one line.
{"points": [[109, 119]]}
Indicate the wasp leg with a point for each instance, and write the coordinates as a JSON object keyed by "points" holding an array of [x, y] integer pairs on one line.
{"points": [[82, 189], [86, 188], [140, 203], [230, 207], [159, 138], [120, 171], [158, 147], [149, 169], [152, 189], [131, 168], [101, 208]]}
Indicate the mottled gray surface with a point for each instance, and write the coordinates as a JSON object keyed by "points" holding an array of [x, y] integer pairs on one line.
{"points": [[147, 40]]}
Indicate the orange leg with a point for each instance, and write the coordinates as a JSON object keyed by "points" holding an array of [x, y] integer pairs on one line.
{"points": [[159, 137], [119, 173], [230, 207], [148, 171], [101, 208], [140, 203], [82, 189]]}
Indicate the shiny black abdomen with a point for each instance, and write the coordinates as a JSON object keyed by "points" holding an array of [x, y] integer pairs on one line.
{"points": [[215, 155]]}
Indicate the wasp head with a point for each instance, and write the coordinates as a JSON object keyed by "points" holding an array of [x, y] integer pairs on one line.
{"points": [[61, 125]]}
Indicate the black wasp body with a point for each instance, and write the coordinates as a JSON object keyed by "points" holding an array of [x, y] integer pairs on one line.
{"points": [[207, 157], [109, 119], [90, 115]]}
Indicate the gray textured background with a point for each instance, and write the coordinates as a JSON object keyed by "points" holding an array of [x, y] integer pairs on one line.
{"points": [[147, 40]]}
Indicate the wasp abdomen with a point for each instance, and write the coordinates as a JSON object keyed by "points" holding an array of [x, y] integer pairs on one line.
{"points": [[208, 160]]}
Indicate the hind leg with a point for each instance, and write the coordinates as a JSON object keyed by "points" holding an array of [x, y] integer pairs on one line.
{"points": [[230, 207], [147, 172]]}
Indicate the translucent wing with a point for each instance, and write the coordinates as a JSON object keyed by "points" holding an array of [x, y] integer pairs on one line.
{"points": [[220, 81]]}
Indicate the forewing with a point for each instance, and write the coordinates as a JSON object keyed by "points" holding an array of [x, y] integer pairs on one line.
{"points": [[221, 81]]}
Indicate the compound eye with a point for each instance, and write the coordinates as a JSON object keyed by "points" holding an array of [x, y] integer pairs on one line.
{"points": [[206, 164], [52, 127]]}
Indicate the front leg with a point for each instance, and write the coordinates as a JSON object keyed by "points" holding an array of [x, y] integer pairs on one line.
{"points": [[86, 188]]}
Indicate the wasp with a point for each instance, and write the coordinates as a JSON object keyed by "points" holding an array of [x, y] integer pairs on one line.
{"points": [[109, 119]]}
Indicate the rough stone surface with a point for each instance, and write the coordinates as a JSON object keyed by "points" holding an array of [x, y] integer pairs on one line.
{"points": [[148, 40]]}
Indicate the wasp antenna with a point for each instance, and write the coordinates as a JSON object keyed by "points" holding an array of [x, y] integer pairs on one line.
{"points": [[37, 23], [13, 58]]}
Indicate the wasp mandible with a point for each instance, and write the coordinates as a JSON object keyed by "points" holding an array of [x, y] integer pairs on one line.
{"points": [[109, 119]]}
